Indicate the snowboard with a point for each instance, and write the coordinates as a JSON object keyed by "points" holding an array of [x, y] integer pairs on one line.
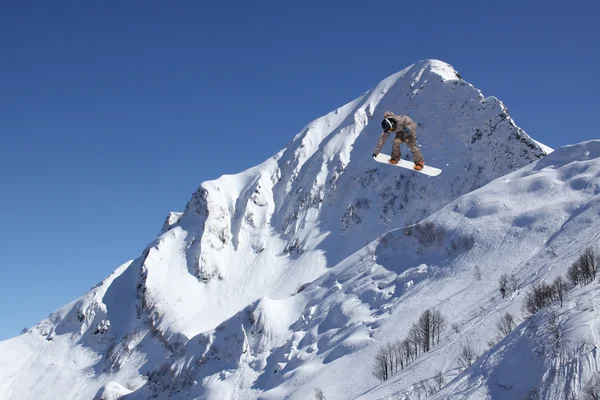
{"points": [[427, 170]]}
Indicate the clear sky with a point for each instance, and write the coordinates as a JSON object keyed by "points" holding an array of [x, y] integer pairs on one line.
{"points": [[113, 112]]}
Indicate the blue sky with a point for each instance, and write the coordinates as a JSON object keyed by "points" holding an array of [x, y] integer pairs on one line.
{"points": [[112, 113]]}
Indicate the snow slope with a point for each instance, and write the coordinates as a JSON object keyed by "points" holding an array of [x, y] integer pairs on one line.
{"points": [[283, 278], [532, 223]]}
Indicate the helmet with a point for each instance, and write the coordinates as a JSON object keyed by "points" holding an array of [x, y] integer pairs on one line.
{"points": [[388, 124]]}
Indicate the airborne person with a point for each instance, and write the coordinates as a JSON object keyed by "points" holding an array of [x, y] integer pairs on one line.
{"points": [[406, 131]]}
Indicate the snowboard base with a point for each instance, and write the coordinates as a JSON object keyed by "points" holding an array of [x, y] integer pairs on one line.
{"points": [[427, 170]]}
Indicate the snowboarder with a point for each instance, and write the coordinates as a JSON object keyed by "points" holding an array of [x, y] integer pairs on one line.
{"points": [[406, 131]]}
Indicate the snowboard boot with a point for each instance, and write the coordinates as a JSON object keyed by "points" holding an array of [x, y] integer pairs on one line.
{"points": [[419, 165], [392, 161]]}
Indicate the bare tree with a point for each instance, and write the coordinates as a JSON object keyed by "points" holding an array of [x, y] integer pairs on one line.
{"points": [[468, 355], [395, 356], [438, 379], [401, 359], [456, 327], [591, 391], [575, 274], [381, 368], [439, 324], [407, 348], [429, 326], [415, 339], [540, 296], [319, 394], [590, 261], [584, 269], [513, 285], [503, 283], [392, 357], [425, 329], [559, 288], [506, 324]]}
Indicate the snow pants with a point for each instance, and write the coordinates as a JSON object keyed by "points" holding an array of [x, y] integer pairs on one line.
{"points": [[411, 141]]}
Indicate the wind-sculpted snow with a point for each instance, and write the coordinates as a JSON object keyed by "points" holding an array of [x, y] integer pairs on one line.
{"points": [[287, 277]]}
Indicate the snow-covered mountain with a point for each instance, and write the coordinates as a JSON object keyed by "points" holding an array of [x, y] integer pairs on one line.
{"points": [[288, 277]]}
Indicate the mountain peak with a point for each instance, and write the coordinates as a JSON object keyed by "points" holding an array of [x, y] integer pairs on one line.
{"points": [[441, 68]]}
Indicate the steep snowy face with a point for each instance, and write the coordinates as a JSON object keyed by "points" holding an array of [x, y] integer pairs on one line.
{"points": [[323, 196]]}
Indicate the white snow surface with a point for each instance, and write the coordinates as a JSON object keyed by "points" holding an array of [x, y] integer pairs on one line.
{"points": [[112, 391], [289, 276]]}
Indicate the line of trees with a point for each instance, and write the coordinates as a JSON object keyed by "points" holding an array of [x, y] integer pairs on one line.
{"points": [[425, 333], [422, 336], [506, 324], [539, 297], [507, 283], [582, 272]]}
